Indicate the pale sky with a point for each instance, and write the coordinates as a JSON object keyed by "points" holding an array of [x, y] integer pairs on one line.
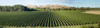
{"points": [[73, 3]]}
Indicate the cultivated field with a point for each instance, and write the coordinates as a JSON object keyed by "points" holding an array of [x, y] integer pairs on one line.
{"points": [[74, 26], [47, 19]]}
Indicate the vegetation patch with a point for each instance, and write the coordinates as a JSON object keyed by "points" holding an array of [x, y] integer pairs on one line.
{"points": [[47, 19]]}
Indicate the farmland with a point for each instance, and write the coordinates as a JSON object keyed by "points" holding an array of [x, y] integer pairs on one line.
{"points": [[47, 18]]}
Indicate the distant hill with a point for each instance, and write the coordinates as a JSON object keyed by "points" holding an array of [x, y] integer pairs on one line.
{"points": [[48, 6], [32, 6]]}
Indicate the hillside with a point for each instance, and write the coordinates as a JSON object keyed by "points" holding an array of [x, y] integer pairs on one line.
{"points": [[48, 6]]}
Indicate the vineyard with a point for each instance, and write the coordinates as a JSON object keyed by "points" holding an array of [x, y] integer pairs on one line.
{"points": [[47, 19]]}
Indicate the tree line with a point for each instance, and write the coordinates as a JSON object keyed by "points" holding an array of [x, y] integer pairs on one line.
{"points": [[15, 8], [72, 8], [24, 8]]}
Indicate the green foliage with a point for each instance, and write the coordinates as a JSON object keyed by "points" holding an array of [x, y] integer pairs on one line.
{"points": [[87, 27], [64, 9], [14, 8], [1, 26], [24, 8], [42, 18]]}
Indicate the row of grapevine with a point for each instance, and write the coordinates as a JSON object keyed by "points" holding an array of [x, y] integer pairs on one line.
{"points": [[46, 19]]}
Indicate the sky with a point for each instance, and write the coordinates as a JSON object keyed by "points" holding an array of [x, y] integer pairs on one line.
{"points": [[72, 3]]}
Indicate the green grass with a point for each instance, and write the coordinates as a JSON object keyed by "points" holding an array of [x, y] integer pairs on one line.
{"points": [[47, 19], [74, 26]]}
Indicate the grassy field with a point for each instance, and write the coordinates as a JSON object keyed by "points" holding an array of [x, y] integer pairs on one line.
{"points": [[73, 26], [47, 19]]}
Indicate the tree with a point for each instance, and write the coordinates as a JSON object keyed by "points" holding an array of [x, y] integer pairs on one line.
{"points": [[19, 7]]}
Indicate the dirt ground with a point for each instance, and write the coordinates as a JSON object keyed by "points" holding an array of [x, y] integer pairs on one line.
{"points": [[93, 12]]}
